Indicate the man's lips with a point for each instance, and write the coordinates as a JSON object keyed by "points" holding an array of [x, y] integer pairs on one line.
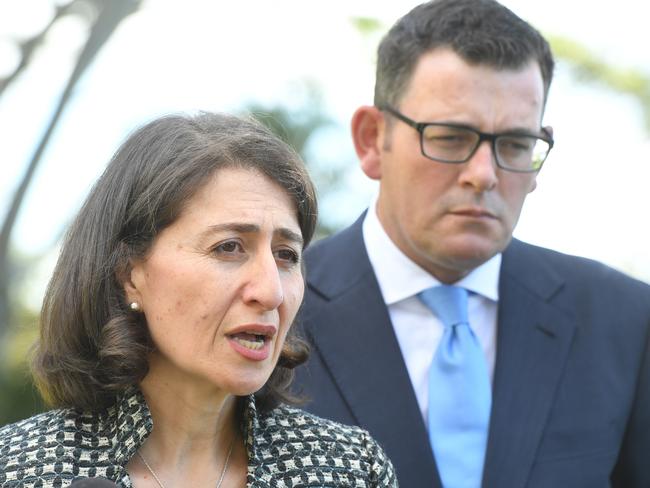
{"points": [[474, 212]]}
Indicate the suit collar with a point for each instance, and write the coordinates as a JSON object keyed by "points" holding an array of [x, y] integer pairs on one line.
{"points": [[365, 359], [341, 265], [522, 267], [533, 343]]}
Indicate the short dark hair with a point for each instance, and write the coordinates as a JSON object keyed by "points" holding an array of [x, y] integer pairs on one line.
{"points": [[92, 346], [479, 31]]}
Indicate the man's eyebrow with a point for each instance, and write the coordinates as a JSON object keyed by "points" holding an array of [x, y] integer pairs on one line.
{"points": [[514, 130], [243, 228], [524, 131]]}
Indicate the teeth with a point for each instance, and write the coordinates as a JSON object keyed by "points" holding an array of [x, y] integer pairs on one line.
{"points": [[254, 345]]}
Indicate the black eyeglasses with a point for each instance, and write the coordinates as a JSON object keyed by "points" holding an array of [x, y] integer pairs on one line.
{"points": [[455, 143]]}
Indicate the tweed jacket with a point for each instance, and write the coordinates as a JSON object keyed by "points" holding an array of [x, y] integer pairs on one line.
{"points": [[286, 447]]}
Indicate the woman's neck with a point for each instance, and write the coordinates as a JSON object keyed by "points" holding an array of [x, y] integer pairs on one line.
{"points": [[194, 426]]}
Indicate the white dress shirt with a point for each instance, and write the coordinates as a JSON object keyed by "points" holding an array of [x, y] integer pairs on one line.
{"points": [[418, 331]]}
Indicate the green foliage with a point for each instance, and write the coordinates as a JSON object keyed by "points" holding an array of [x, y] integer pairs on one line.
{"points": [[587, 66], [367, 26], [19, 398], [295, 127], [298, 126]]}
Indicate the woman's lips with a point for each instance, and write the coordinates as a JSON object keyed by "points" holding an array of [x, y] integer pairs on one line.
{"points": [[253, 341]]}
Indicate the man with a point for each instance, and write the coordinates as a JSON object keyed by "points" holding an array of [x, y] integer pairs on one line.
{"points": [[558, 394]]}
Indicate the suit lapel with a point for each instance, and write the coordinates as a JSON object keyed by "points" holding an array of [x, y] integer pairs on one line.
{"points": [[533, 342], [361, 351]]}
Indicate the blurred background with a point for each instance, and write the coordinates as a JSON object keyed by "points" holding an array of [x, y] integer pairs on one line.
{"points": [[77, 76]]}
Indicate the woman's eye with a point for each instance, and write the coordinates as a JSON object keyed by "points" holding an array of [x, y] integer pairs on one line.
{"points": [[229, 247], [287, 255]]}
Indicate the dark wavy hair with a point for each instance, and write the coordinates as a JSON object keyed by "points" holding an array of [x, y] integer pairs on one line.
{"points": [[92, 346], [480, 31]]}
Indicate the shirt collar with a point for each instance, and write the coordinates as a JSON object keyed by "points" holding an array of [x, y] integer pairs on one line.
{"points": [[400, 278]]}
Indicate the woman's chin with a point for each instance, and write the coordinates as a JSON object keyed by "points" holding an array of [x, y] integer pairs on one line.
{"points": [[246, 386]]}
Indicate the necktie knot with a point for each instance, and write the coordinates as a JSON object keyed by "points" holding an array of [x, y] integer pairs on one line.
{"points": [[449, 303]]}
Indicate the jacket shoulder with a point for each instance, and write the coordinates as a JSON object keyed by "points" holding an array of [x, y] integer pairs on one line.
{"points": [[41, 425], [583, 281], [520, 255], [49, 449], [30, 449]]}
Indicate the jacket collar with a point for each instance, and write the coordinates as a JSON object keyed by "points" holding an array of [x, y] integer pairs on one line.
{"points": [[534, 338], [372, 379], [131, 424]]}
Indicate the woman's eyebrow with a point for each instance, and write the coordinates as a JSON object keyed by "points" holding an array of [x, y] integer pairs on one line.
{"points": [[290, 235], [245, 228], [238, 227]]}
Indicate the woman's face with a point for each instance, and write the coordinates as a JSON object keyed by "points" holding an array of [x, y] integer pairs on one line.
{"points": [[222, 284]]}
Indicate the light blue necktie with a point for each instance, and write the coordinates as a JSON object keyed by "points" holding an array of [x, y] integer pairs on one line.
{"points": [[460, 396]]}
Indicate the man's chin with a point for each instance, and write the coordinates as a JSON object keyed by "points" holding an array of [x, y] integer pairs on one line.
{"points": [[476, 245], [461, 256]]}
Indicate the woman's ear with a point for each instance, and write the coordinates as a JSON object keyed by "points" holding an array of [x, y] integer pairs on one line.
{"points": [[367, 131], [129, 277]]}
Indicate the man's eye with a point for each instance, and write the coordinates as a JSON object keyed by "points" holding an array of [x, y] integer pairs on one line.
{"points": [[449, 138], [517, 143]]}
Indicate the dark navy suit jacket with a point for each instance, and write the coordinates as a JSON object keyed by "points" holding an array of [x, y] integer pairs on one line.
{"points": [[571, 392]]}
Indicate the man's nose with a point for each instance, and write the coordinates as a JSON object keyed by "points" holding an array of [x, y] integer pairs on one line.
{"points": [[480, 171]]}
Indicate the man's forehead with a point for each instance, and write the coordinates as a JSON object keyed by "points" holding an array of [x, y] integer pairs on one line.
{"points": [[445, 58], [437, 64], [445, 88], [446, 53]]}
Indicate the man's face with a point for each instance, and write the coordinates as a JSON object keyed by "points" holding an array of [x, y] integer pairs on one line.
{"points": [[451, 218]]}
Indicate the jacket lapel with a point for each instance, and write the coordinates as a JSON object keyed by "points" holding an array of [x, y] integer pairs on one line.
{"points": [[533, 342], [361, 351]]}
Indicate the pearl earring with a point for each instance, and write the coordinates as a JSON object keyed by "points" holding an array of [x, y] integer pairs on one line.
{"points": [[135, 306]]}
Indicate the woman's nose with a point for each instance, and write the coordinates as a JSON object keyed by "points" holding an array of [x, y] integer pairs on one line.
{"points": [[264, 285]]}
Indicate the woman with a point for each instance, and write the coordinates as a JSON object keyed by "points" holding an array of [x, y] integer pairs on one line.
{"points": [[166, 338]]}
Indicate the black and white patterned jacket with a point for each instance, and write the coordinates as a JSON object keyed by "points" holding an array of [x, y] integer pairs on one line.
{"points": [[286, 448]]}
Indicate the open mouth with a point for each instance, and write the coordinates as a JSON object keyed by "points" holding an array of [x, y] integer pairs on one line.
{"points": [[254, 342]]}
